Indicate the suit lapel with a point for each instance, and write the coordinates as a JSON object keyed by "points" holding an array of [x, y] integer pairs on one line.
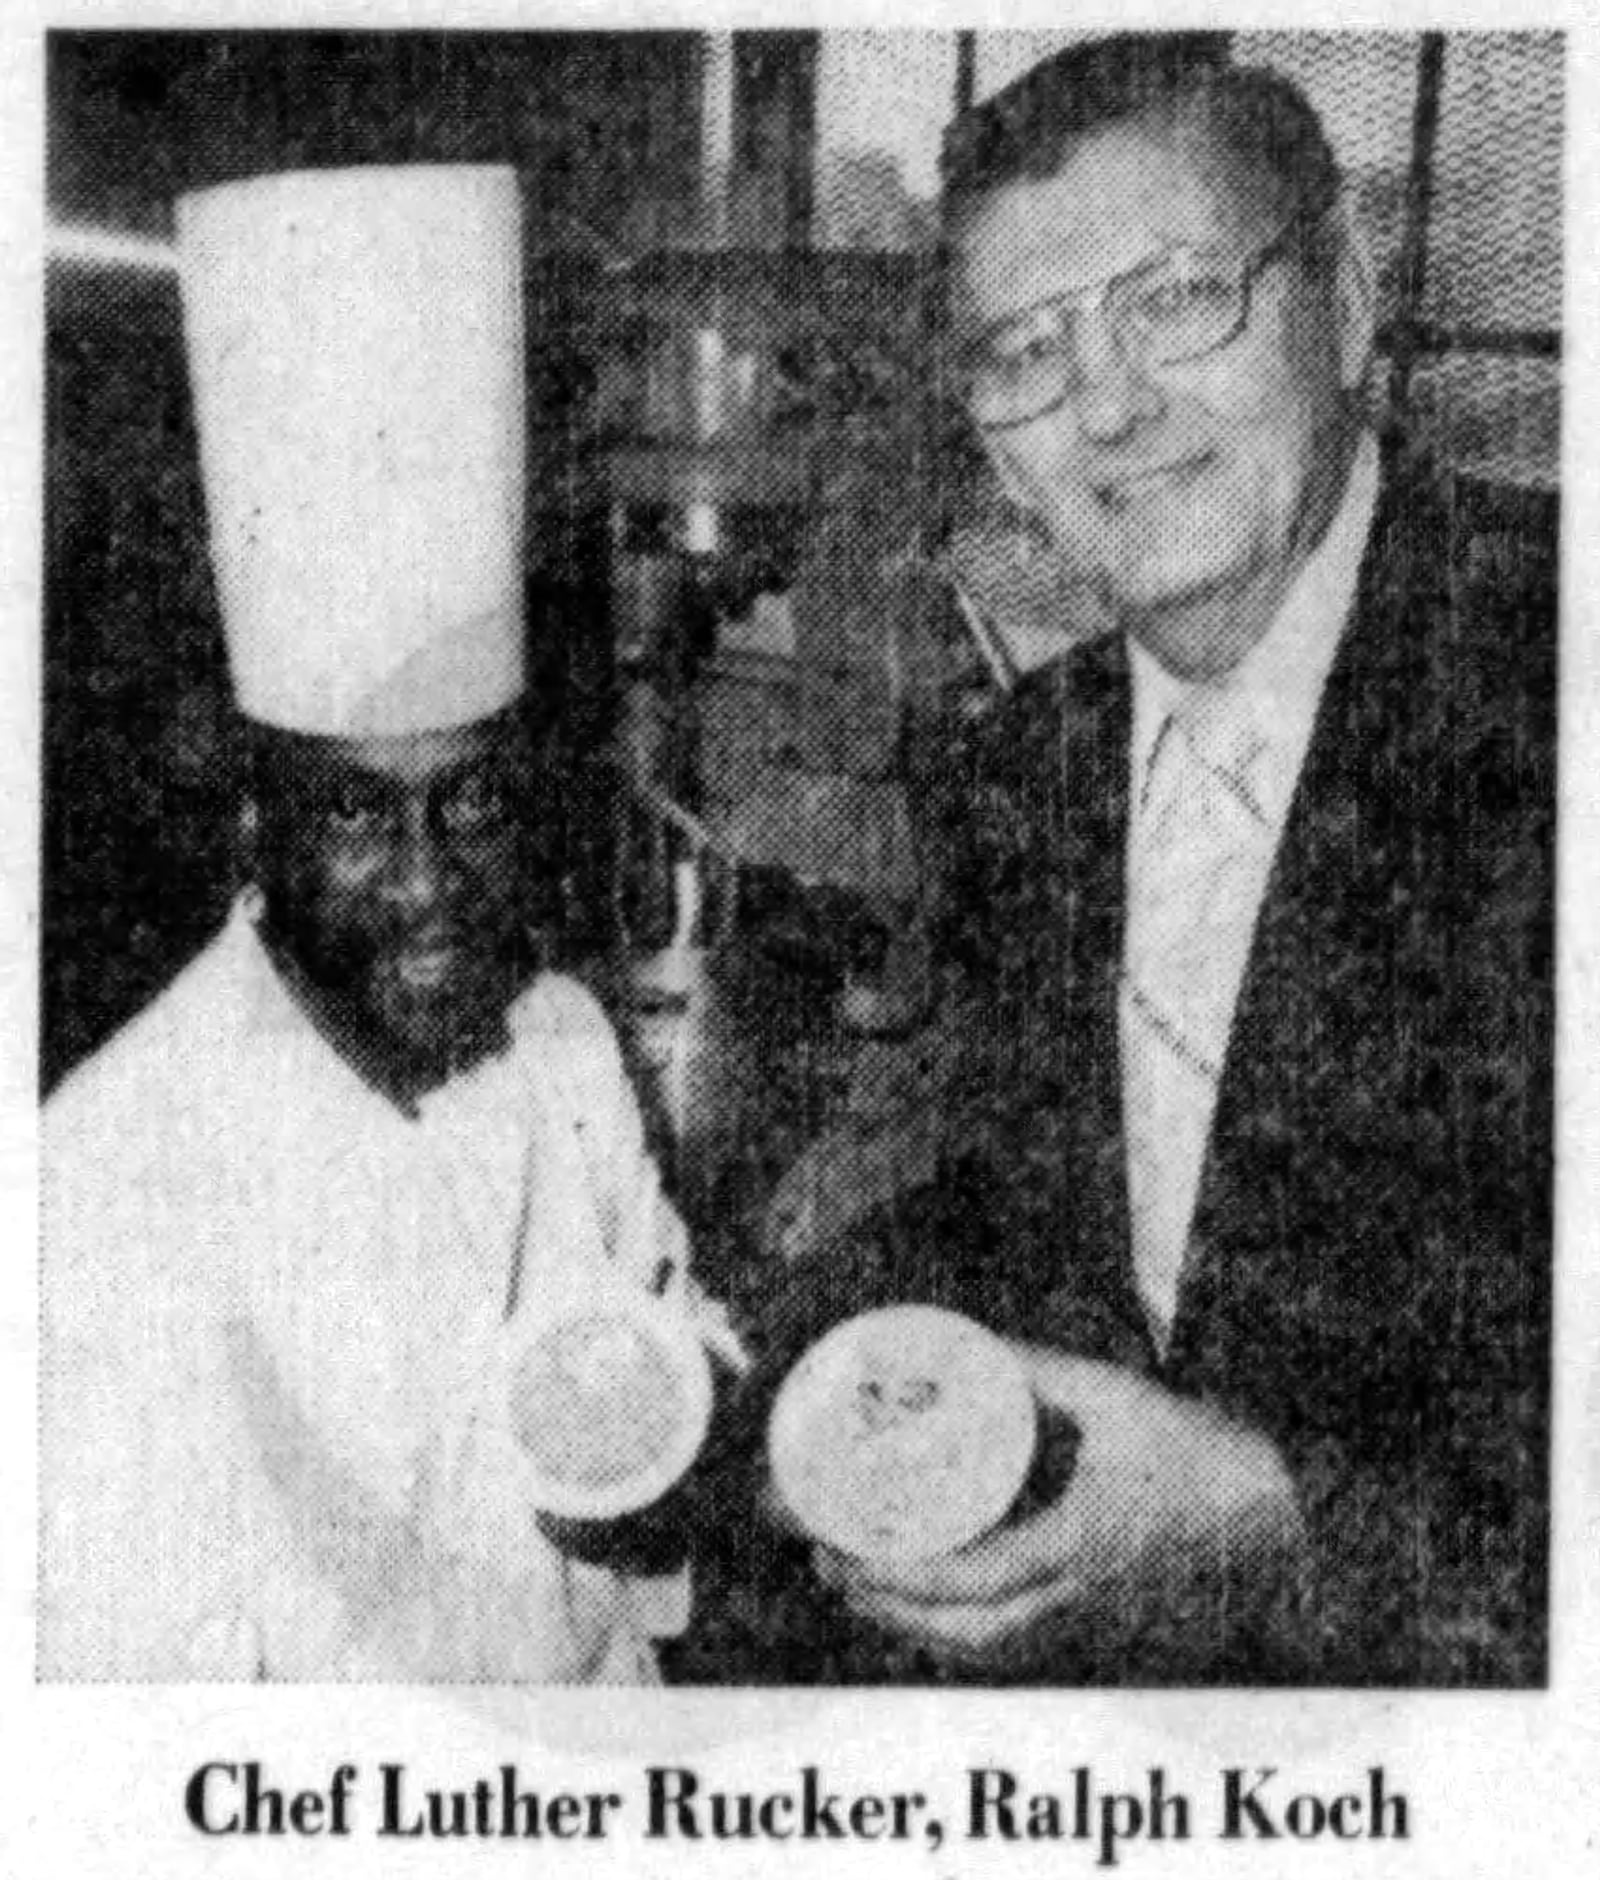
{"points": [[1070, 788], [1097, 732], [1303, 1052]]}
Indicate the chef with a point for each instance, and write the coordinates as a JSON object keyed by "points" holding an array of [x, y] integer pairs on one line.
{"points": [[295, 1214]]}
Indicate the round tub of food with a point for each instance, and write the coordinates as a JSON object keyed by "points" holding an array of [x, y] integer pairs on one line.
{"points": [[610, 1399], [903, 1433]]}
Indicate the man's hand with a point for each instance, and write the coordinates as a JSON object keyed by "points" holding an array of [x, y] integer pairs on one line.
{"points": [[1173, 1516]]}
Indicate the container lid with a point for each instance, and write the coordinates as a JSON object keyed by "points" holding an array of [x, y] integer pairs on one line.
{"points": [[904, 1433], [610, 1399]]}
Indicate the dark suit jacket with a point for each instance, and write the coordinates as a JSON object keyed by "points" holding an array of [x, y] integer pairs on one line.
{"points": [[1373, 1280]]}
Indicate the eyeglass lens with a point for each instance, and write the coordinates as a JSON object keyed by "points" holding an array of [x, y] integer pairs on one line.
{"points": [[1179, 307]]}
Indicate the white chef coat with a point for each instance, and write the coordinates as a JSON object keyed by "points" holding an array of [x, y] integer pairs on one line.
{"points": [[267, 1292]]}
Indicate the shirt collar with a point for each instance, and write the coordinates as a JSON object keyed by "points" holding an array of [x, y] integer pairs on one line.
{"points": [[1277, 686], [268, 1006]]}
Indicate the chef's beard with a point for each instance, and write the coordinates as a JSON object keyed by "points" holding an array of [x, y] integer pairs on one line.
{"points": [[350, 979]]}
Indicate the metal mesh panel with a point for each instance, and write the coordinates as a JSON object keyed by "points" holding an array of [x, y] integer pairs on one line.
{"points": [[1494, 240], [1491, 416], [1492, 252]]}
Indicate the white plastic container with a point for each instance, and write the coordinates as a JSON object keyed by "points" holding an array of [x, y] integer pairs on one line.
{"points": [[903, 1433], [610, 1400]]}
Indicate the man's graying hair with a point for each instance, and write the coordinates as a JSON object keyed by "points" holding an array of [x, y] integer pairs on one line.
{"points": [[1257, 124]]}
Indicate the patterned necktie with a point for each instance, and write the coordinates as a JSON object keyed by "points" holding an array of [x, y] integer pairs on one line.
{"points": [[1202, 846]]}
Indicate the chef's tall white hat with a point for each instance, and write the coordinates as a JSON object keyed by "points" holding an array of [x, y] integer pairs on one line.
{"points": [[355, 342]]}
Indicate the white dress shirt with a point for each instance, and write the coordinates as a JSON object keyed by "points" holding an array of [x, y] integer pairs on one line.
{"points": [[268, 1295], [1214, 770]]}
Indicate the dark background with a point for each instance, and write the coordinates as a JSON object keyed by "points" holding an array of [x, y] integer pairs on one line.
{"points": [[139, 773]]}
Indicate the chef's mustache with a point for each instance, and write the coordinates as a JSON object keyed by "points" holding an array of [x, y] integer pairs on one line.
{"points": [[433, 936]]}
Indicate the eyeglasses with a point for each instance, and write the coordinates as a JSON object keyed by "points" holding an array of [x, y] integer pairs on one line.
{"points": [[1182, 305]]}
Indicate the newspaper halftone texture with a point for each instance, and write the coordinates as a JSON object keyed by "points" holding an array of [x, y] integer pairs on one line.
{"points": [[1032, 800]]}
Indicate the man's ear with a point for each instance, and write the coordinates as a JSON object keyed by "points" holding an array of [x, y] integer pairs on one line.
{"points": [[1355, 296]]}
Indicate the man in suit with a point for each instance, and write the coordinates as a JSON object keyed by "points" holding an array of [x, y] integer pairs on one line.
{"points": [[1251, 904]]}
